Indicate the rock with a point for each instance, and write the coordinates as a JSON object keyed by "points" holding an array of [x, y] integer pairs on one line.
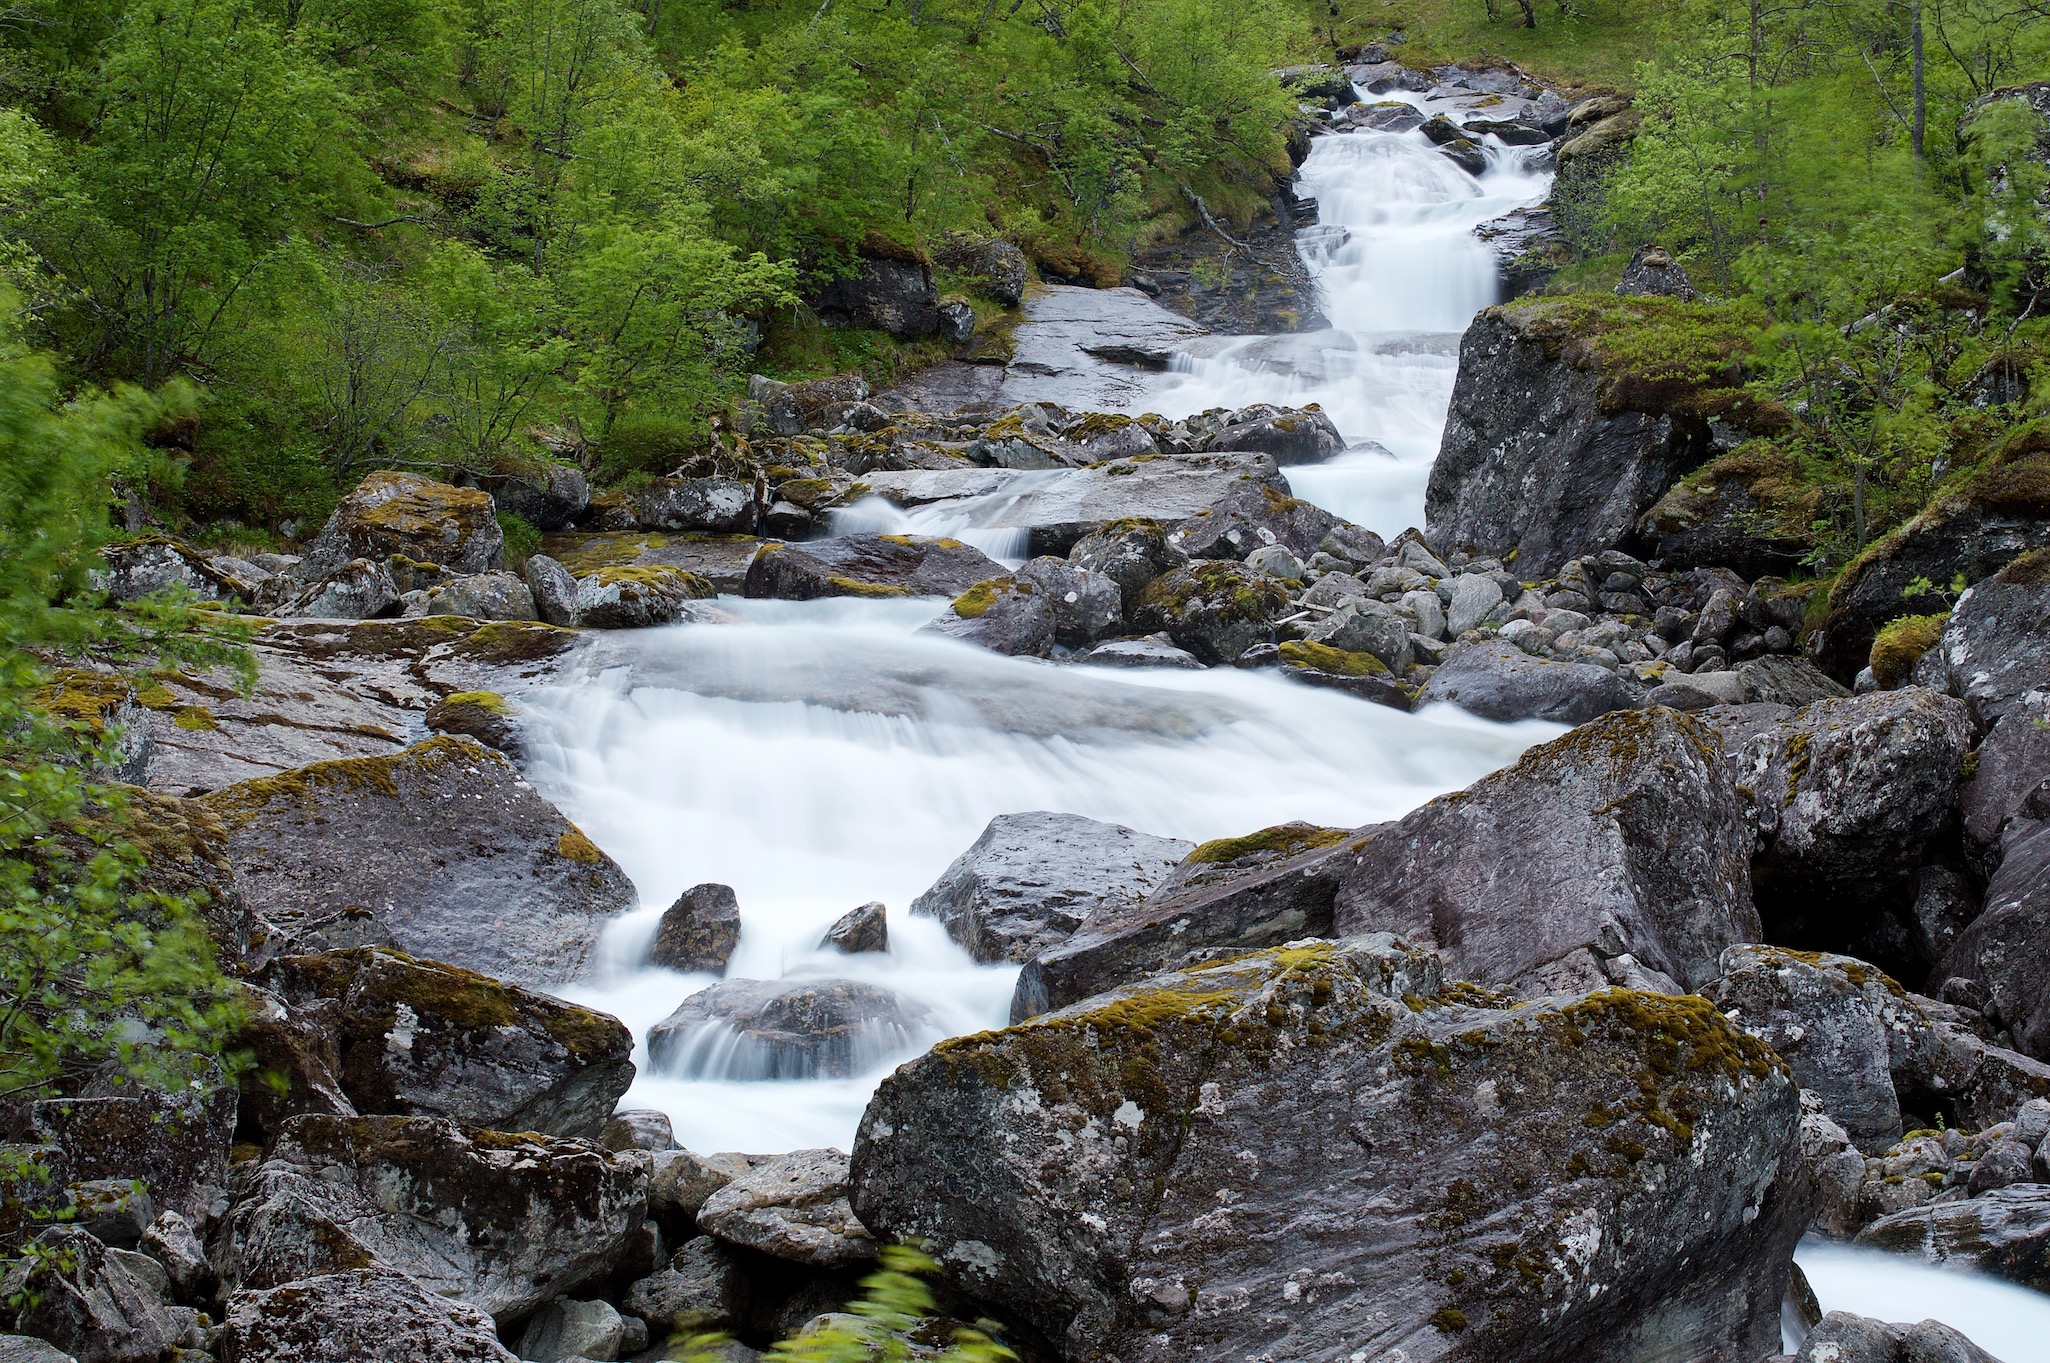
{"points": [[1387, 116], [1251, 517], [2007, 947], [638, 1128], [793, 1207], [699, 931], [1216, 609], [1601, 140], [547, 496], [795, 408], [175, 1145], [97, 1304], [720, 560], [704, 1288], [472, 867], [1355, 1167], [152, 563], [554, 591], [483, 715], [1653, 273], [503, 1222], [723, 505], [484, 596], [1995, 653], [1498, 680], [1304, 436], [1236, 894], [359, 589], [893, 295], [636, 598], [1086, 604], [1152, 651], [1475, 598], [1359, 674], [997, 270], [2005, 1233], [1263, 290], [402, 513], [1748, 510], [1787, 681], [171, 1242], [23, 1349], [114, 1211], [358, 1315], [1844, 795], [1841, 1337], [417, 1038], [868, 565], [1532, 462], [1466, 154], [1032, 879], [1622, 838], [2001, 512], [1130, 553], [682, 1181], [1008, 615], [786, 1029], [859, 930], [1527, 245], [566, 1329]]}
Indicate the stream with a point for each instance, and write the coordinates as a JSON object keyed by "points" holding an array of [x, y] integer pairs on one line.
{"points": [[819, 755]]}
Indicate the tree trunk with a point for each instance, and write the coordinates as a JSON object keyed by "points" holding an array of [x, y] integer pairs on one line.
{"points": [[1921, 91]]}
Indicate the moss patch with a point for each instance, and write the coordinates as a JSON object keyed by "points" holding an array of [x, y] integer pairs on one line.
{"points": [[1286, 839], [1324, 658], [196, 718], [850, 586], [975, 603], [574, 846], [2030, 570], [1900, 643], [483, 700]]}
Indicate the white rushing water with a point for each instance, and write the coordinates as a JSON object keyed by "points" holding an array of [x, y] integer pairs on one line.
{"points": [[816, 756]]}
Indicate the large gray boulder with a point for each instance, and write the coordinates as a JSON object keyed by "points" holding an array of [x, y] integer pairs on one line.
{"points": [[1292, 436], [886, 293], [868, 565], [1216, 609], [404, 514], [1533, 462], [2006, 949], [503, 1222], [636, 597], [176, 1145], [1086, 604], [787, 1029], [793, 1207], [418, 1038], [1841, 1337], [1995, 652], [97, 1304], [1131, 553], [1032, 879], [1498, 680], [370, 1314], [720, 505], [1616, 853], [2005, 1233], [1009, 615], [1310, 1152], [470, 865]]}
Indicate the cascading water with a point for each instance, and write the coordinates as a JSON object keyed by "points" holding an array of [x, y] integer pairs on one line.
{"points": [[819, 755]]}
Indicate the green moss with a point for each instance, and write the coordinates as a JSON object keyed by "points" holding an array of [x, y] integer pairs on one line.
{"points": [[1287, 839], [506, 642], [849, 586], [574, 846], [2030, 570], [483, 700], [659, 575], [196, 718], [586, 554], [975, 603], [1324, 658], [1900, 643], [1449, 1320], [378, 776]]}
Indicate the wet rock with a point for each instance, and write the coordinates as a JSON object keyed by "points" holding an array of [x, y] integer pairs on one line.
{"points": [[402, 513], [1841, 1337], [996, 270], [1148, 652], [472, 867], [503, 1222], [1131, 554], [1214, 608], [699, 931], [786, 1029], [868, 565], [1533, 463], [566, 1330], [721, 560], [2005, 1233], [2006, 949], [483, 715], [99, 1305], [1304, 436], [417, 1038], [1385, 116], [635, 597], [1232, 894], [1008, 615], [859, 930], [638, 1128], [794, 1208], [794, 408], [1498, 680], [893, 295], [1527, 245], [704, 1288], [1464, 153], [547, 497], [1032, 879], [1260, 290], [357, 1315], [1130, 1182], [723, 505], [1622, 838], [1086, 604], [1361, 674]]}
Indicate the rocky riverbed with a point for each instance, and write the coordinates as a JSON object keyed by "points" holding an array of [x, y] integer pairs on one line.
{"points": [[1713, 927]]}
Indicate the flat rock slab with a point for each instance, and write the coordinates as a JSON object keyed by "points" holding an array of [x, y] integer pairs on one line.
{"points": [[1050, 360], [1500, 681], [441, 850], [719, 559], [2005, 1233], [868, 565]]}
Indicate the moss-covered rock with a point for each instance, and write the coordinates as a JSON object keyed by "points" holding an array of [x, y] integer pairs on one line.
{"points": [[1314, 1151], [483, 715], [402, 513], [637, 597], [1900, 644], [1215, 608], [354, 1315], [1749, 511], [1009, 615], [880, 566]]}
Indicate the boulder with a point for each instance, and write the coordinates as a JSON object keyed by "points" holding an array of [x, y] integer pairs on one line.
{"points": [[417, 1038], [1995, 653], [1497, 680], [1304, 436], [795, 408], [472, 868], [1526, 242], [97, 1304], [720, 560], [359, 589], [1844, 796], [786, 1029], [636, 597], [483, 596], [1152, 651], [2005, 793], [699, 931], [681, 1182], [703, 1288], [567, 1330], [1653, 273], [1841, 1337], [547, 496], [1252, 516], [1357, 673], [1781, 680], [1008, 615], [793, 1207], [723, 505], [1230, 894], [171, 1241], [1312, 1152], [1086, 604], [152, 563], [1214, 608], [2004, 1233], [503, 1222], [2001, 512], [1533, 462], [368, 1314], [1748, 511], [2006, 949], [402, 513], [859, 930], [26, 1349], [1032, 879], [868, 565], [483, 715], [1131, 553], [553, 589], [175, 1144], [638, 1128], [1616, 852], [890, 294], [996, 269]]}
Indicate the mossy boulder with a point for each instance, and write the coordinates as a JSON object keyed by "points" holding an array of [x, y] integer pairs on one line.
{"points": [[1320, 1150], [1250, 516], [1996, 642], [1900, 644], [637, 597], [483, 715], [471, 867], [484, 596], [1214, 608], [499, 1221], [718, 505], [1131, 553], [876, 566], [402, 513], [1999, 512], [418, 1038], [1354, 672], [1748, 511], [1009, 615], [699, 931]]}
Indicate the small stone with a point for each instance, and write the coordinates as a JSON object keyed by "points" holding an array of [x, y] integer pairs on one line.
{"points": [[699, 931], [638, 1128], [2007, 1162], [1275, 561], [554, 590], [859, 930]]}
